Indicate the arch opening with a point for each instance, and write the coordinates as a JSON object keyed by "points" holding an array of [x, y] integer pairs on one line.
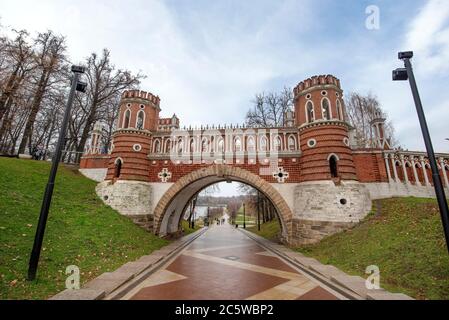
{"points": [[333, 166], [173, 205]]}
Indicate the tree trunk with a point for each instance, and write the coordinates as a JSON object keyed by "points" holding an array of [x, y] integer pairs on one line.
{"points": [[34, 110], [11, 87]]}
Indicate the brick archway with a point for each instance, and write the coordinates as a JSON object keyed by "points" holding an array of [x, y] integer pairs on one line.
{"points": [[167, 212]]}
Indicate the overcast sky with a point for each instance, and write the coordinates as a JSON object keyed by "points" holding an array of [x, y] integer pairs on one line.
{"points": [[207, 59]]}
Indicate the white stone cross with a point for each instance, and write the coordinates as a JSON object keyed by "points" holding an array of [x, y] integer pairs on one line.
{"points": [[164, 175], [280, 175]]}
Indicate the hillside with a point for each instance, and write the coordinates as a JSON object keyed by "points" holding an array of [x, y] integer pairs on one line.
{"points": [[404, 239], [81, 230]]}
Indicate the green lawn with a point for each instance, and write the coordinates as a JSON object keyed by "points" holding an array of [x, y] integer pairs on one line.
{"points": [[81, 230], [405, 240], [187, 229], [269, 230]]}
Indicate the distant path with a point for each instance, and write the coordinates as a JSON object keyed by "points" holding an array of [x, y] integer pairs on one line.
{"points": [[225, 264]]}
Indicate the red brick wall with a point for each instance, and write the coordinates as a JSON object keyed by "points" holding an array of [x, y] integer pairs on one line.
{"points": [[179, 170], [94, 161], [370, 167], [329, 139], [135, 164]]}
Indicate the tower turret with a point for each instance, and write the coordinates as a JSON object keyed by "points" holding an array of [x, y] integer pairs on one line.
{"points": [[320, 117], [95, 139], [378, 129], [138, 118]]}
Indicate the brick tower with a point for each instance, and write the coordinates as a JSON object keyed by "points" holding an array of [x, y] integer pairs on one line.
{"points": [[138, 118], [324, 133]]}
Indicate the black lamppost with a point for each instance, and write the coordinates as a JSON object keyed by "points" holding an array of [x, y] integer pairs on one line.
{"points": [[244, 217], [402, 74], [77, 85], [258, 210]]}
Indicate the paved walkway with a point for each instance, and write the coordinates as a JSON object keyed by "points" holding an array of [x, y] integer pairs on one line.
{"points": [[225, 264]]}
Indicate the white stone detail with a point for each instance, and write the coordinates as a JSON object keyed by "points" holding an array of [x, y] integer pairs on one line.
{"points": [[164, 175], [94, 174], [311, 143], [137, 147], [280, 175], [127, 197]]}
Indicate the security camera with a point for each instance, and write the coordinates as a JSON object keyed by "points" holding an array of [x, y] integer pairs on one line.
{"points": [[78, 69], [405, 55], [400, 74], [81, 86]]}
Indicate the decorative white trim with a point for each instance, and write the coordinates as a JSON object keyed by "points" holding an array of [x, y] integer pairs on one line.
{"points": [[280, 175], [157, 142], [330, 108], [333, 155], [144, 118], [295, 144], [311, 143], [118, 159], [307, 113], [164, 175], [346, 141], [124, 118], [137, 147], [338, 107]]}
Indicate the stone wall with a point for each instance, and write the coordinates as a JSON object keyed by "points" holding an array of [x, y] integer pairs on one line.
{"points": [[94, 174], [325, 201], [130, 198], [311, 231], [399, 189]]}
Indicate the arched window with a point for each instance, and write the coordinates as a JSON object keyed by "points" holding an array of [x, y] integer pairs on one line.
{"points": [[157, 146], [180, 147], [277, 143], [192, 145], [126, 118], [310, 112], [117, 168], [263, 143], [339, 111], [167, 146], [251, 145], [204, 145], [325, 107], [291, 143], [333, 166], [220, 145], [140, 120], [237, 144]]}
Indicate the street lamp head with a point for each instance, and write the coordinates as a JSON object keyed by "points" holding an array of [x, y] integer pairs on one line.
{"points": [[400, 74], [405, 55], [81, 86], [78, 69]]}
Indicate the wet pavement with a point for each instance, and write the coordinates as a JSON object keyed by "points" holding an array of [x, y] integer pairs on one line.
{"points": [[225, 264]]}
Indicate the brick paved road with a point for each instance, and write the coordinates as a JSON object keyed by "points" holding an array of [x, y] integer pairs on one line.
{"points": [[225, 264]]}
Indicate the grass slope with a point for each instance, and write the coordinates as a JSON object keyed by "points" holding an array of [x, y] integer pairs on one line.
{"points": [[269, 230], [405, 239], [186, 227], [81, 230]]}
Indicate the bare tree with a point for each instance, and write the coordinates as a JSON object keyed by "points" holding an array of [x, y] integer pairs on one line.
{"points": [[50, 63], [360, 111], [16, 63], [105, 84], [269, 109]]}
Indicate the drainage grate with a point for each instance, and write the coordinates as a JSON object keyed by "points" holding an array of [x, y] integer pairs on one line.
{"points": [[233, 258]]}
